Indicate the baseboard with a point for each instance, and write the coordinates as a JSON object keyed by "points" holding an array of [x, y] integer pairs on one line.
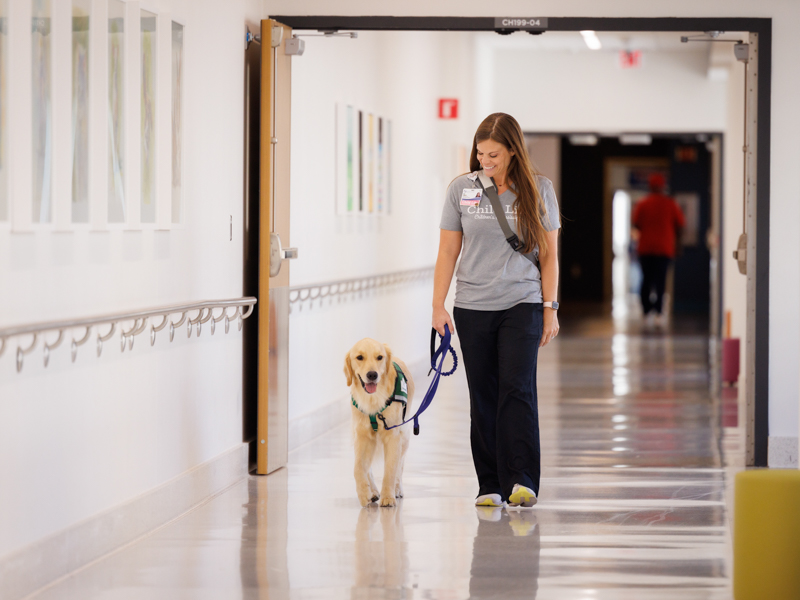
{"points": [[306, 427], [47, 560], [782, 453]]}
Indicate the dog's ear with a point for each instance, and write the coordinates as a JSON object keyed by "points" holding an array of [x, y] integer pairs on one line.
{"points": [[348, 369], [388, 357]]}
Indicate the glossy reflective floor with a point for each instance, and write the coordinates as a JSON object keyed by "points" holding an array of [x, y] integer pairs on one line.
{"points": [[638, 462]]}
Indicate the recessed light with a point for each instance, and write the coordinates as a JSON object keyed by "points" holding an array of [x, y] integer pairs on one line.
{"points": [[591, 39], [636, 139]]}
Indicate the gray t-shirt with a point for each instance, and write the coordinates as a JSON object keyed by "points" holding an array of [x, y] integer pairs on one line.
{"points": [[492, 276]]}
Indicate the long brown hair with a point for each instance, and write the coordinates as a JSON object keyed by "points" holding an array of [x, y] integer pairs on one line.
{"points": [[530, 207]]}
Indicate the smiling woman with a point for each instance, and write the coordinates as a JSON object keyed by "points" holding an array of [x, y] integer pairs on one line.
{"points": [[502, 320], [494, 157]]}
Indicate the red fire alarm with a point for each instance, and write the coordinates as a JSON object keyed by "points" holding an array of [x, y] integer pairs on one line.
{"points": [[448, 108]]}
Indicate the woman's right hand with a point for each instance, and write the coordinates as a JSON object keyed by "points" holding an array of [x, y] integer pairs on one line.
{"points": [[441, 318]]}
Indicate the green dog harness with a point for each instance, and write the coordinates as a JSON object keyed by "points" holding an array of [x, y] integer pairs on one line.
{"points": [[400, 395]]}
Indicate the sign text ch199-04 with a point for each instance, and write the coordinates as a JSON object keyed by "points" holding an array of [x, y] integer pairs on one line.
{"points": [[521, 23]]}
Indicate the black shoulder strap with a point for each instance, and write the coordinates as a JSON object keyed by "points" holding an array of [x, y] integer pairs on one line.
{"points": [[487, 184]]}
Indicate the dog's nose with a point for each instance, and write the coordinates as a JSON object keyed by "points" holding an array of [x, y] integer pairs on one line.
{"points": [[372, 375]]}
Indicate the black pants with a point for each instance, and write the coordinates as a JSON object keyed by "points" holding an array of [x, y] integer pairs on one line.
{"points": [[654, 277], [500, 350]]}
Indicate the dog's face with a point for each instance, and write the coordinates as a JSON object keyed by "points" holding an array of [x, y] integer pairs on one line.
{"points": [[367, 363]]}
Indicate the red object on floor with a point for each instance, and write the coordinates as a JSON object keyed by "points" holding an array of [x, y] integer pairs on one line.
{"points": [[730, 360]]}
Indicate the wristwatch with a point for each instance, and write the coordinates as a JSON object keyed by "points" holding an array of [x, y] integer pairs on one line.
{"points": [[553, 305]]}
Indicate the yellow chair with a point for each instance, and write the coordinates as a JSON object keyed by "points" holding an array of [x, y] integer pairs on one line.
{"points": [[766, 535]]}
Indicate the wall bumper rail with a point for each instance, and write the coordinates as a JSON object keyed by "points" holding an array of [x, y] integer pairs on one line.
{"points": [[129, 325], [348, 288]]}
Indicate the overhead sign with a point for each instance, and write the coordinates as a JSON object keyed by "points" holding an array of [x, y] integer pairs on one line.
{"points": [[521, 23], [448, 108]]}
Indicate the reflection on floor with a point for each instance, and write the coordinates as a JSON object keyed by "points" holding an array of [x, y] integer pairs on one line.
{"points": [[634, 502]]}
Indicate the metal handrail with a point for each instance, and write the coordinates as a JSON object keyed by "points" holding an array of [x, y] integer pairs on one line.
{"points": [[139, 324], [329, 289]]}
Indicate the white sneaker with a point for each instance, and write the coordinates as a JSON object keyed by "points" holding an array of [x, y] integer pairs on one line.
{"points": [[522, 496], [492, 500]]}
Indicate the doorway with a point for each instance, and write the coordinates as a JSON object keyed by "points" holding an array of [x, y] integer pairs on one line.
{"points": [[758, 252]]}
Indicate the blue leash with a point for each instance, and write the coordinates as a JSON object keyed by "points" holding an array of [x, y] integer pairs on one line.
{"points": [[439, 354]]}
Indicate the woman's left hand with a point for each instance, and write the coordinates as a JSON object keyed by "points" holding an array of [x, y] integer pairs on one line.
{"points": [[550, 327]]}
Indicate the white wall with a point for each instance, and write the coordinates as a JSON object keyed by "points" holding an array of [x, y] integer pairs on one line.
{"points": [[399, 76], [78, 439], [564, 91], [784, 345]]}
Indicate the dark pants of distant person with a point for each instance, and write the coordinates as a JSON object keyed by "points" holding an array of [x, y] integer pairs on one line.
{"points": [[654, 278], [500, 349]]}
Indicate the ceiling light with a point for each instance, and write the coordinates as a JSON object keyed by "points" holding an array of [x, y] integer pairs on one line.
{"points": [[591, 39], [636, 139], [583, 139]]}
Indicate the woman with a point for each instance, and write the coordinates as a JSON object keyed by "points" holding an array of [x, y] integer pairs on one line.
{"points": [[504, 306]]}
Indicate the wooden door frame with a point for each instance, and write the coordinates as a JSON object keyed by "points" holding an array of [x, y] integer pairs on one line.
{"points": [[275, 98]]}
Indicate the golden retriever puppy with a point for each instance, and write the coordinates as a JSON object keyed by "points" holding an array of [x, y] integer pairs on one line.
{"points": [[377, 401]]}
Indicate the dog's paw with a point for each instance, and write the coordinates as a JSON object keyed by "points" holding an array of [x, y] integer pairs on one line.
{"points": [[388, 501], [366, 499], [398, 491]]}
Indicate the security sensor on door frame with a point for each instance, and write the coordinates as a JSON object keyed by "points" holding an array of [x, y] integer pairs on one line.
{"points": [[295, 46]]}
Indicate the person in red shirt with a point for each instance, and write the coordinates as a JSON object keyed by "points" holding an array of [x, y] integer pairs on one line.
{"points": [[659, 220]]}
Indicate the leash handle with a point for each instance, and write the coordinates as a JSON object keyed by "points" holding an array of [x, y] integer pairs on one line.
{"points": [[447, 348], [435, 354]]}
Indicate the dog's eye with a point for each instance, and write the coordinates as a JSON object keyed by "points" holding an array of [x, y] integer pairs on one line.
{"points": [[359, 357], [380, 357]]}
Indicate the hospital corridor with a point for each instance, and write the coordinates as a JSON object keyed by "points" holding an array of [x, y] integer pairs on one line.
{"points": [[638, 463], [399, 300]]}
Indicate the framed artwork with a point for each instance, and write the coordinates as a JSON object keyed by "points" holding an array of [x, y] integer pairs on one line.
{"points": [[363, 161]]}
